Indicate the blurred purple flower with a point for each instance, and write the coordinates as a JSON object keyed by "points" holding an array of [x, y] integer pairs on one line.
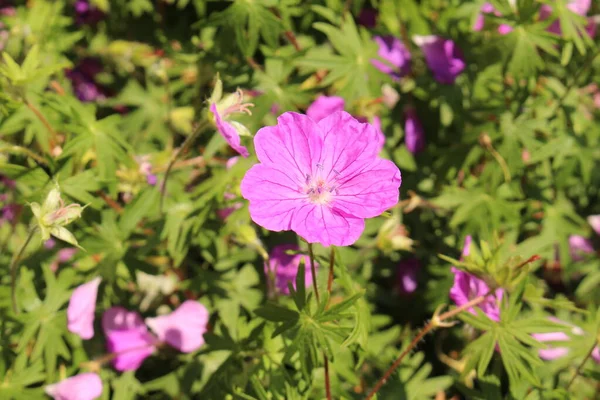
{"points": [[82, 78], [86, 13], [82, 309], [579, 247], [442, 56], [285, 267], [9, 213], [414, 135], [145, 168], [488, 8], [324, 106], [594, 221], [395, 55], [368, 17], [87, 386], [406, 275], [467, 287]]}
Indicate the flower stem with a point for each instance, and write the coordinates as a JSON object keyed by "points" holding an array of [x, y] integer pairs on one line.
{"points": [[184, 147], [327, 383], [44, 121], [329, 286], [331, 265], [311, 255], [13, 270], [578, 370], [434, 323]]}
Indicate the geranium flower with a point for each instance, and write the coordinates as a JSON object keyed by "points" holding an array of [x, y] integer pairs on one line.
{"points": [[81, 309], [579, 247], [467, 287], [594, 221], [488, 8], [579, 7], [414, 135], [320, 180], [553, 353], [324, 106], [184, 328], [87, 386], [406, 275], [395, 55], [442, 56], [127, 337], [285, 267]]}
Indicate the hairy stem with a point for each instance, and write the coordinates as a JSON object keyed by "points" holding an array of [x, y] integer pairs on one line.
{"points": [[578, 370], [13, 270], [44, 121], [311, 255], [434, 323], [327, 382], [184, 147]]}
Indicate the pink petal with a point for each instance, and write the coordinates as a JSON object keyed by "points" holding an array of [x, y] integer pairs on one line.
{"points": [[87, 386], [184, 328], [553, 353], [407, 275], [127, 337], [370, 192], [321, 224], [285, 267], [594, 221], [324, 106], [231, 136], [81, 309], [551, 337], [467, 246]]}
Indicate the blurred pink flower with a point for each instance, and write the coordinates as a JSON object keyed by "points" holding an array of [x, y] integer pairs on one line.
{"points": [[285, 267], [81, 309], [406, 275], [442, 56], [551, 352], [396, 57], [323, 106], [184, 328], [87, 386], [594, 221], [488, 8], [579, 247], [127, 337], [414, 135], [320, 180], [467, 287], [226, 129], [580, 7]]}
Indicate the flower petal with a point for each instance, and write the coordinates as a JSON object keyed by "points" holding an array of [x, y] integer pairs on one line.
{"points": [[81, 309], [87, 386], [321, 224], [228, 132], [324, 106]]}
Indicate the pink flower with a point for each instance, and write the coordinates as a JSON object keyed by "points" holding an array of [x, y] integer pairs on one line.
{"points": [[184, 328], [127, 337], [414, 135], [407, 275], [324, 106], [580, 7], [552, 353], [467, 287], [442, 56], [488, 8], [86, 386], [579, 247], [285, 267], [230, 130], [81, 309], [320, 180], [395, 55], [594, 221]]}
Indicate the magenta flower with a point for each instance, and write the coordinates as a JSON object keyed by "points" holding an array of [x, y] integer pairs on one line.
{"points": [[395, 55], [488, 8], [552, 352], [324, 106], [406, 275], [467, 287], [184, 328], [579, 7], [285, 267], [320, 180], [579, 247], [86, 13], [442, 56], [222, 108], [594, 221], [87, 386], [127, 337], [81, 309], [414, 135], [82, 78]]}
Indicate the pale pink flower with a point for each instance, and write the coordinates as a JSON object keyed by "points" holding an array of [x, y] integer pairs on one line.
{"points": [[554, 352], [442, 56], [285, 267], [467, 287], [87, 386], [324, 106], [594, 221], [81, 309], [320, 180], [127, 337], [579, 247], [184, 328]]}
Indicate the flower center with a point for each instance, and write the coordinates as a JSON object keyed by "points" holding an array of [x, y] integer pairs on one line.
{"points": [[239, 106], [319, 190]]}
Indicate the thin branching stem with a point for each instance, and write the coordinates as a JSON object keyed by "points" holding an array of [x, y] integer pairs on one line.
{"points": [[14, 264], [578, 370], [434, 323], [184, 147]]}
